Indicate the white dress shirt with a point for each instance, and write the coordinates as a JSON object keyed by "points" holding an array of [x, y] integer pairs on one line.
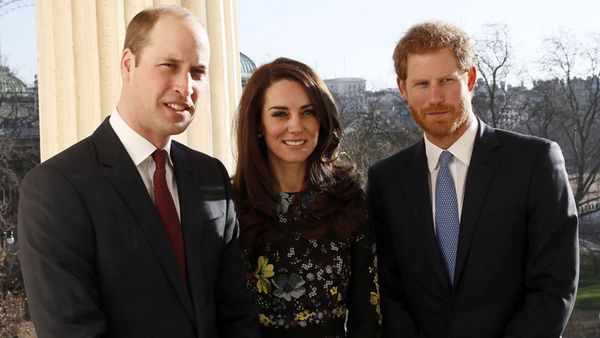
{"points": [[140, 150], [461, 149]]}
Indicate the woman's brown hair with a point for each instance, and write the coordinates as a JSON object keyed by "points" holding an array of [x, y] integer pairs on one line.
{"points": [[337, 194]]}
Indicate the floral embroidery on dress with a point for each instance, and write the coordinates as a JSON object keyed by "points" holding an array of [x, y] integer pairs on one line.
{"points": [[304, 283], [375, 296], [264, 320], [304, 315], [288, 286], [283, 205], [262, 273]]}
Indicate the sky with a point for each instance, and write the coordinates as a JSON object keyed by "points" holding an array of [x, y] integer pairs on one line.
{"points": [[351, 38], [346, 38], [17, 38]]}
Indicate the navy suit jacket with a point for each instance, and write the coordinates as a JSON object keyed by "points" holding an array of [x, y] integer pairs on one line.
{"points": [[517, 260], [96, 261]]}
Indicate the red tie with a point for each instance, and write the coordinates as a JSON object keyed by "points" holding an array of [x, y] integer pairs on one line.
{"points": [[166, 210]]}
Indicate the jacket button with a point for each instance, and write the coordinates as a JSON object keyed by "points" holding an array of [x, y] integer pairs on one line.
{"points": [[455, 314]]}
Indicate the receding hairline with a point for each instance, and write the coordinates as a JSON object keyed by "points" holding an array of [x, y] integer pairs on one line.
{"points": [[142, 25]]}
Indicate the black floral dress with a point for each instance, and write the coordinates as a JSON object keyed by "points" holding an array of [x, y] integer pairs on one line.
{"points": [[308, 287]]}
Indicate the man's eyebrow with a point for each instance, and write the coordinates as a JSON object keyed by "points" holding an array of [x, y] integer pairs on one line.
{"points": [[169, 59], [417, 80]]}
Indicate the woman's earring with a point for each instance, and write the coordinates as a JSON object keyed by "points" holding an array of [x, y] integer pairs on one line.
{"points": [[260, 135]]}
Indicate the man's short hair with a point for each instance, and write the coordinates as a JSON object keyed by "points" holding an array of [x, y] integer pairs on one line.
{"points": [[139, 28], [430, 36]]}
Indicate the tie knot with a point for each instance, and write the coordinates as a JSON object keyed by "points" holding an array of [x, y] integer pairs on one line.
{"points": [[445, 158], [160, 157]]}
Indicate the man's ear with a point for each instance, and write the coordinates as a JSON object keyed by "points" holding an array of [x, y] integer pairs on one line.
{"points": [[402, 87], [127, 64], [471, 78]]}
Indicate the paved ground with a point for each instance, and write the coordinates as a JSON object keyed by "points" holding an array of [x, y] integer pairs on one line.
{"points": [[583, 324]]}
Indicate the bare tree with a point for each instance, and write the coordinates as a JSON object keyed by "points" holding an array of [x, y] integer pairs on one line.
{"points": [[574, 105], [381, 127], [544, 110], [18, 116], [497, 103]]}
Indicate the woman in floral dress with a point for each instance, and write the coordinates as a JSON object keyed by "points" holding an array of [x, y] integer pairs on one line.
{"points": [[303, 230]]}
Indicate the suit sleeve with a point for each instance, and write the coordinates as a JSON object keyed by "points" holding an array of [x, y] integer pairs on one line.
{"points": [[552, 266], [397, 321], [56, 250], [237, 314]]}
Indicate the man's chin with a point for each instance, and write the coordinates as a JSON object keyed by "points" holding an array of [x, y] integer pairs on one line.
{"points": [[438, 132], [179, 127], [446, 130]]}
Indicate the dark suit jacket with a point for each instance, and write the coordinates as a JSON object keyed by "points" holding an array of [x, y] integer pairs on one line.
{"points": [[517, 259], [97, 262]]}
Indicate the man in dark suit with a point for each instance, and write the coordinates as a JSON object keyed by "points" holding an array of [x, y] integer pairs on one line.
{"points": [[476, 227], [130, 234]]}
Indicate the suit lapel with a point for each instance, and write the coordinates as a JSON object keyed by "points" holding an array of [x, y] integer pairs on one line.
{"points": [[126, 180], [415, 182], [484, 161], [192, 217]]}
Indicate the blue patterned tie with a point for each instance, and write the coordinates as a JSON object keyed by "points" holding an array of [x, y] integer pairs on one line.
{"points": [[446, 214]]}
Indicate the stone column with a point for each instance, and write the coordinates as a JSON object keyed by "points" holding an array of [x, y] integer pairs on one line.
{"points": [[79, 49]]}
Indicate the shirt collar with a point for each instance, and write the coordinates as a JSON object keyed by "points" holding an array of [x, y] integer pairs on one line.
{"points": [[461, 149], [138, 148]]}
